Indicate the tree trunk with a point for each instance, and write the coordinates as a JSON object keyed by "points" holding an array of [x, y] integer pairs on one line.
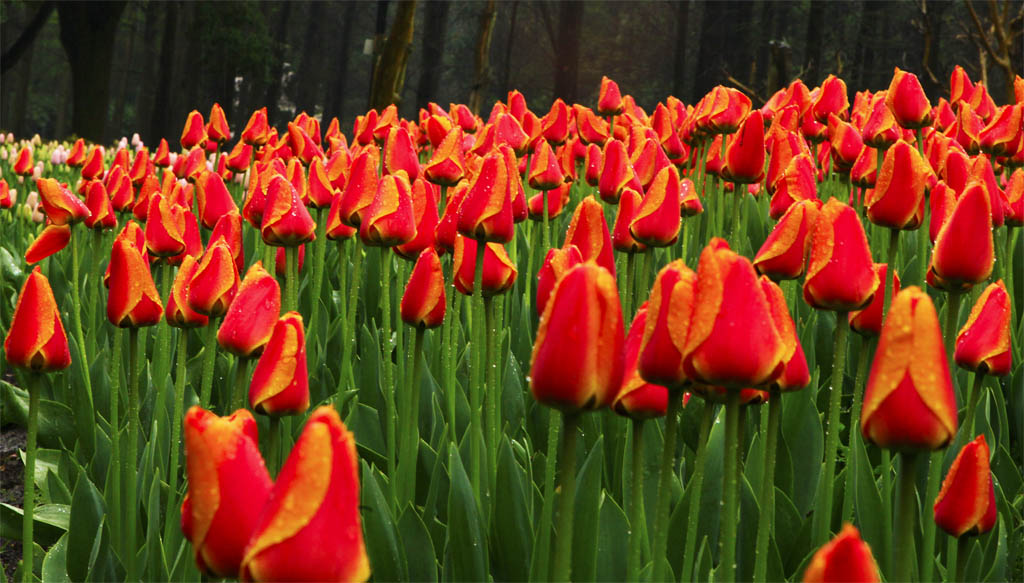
{"points": [[482, 59], [308, 78], [24, 84], [679, 70], [435, 29], [812, 46], [506, 72], [567, 53], [150, 65], [275, 87], [160, 122], [389, 74], [724, 49], [25, 40], [117, 123], [87, 32], [872, 17], [337, 105]]}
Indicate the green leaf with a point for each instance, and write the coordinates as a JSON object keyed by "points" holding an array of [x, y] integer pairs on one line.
{"points": [[803, 437], [613, 536], [56, 421], [787, 522], [868, 503], [155, 562], [49, 522], [87, 510], [466, 552], [419, 549], [511, 532], [382, 542], [54, 570], [998, 570], [586, 514]]}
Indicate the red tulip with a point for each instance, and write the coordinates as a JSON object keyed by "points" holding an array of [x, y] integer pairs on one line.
{"points": [[840, 273], [983, 344], [60, 206], [638, 398], [783, 254], [486, 210], [280, 381], [588, 230], [50, 241], [556, 263], [423, 303], [966, 505], [215, 283], [670, 311], [963, 253], [133, 301], [868, 321], [194, 132], [907, 100], [36, 339], [843, 559], [217, 128], [177, 313], [499, 273], [745, 154], [286, 221], [657, 221]]}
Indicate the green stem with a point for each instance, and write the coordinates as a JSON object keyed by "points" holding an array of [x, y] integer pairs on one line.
{"points": [[890, 270], [410, 425], [727, 563], [547, 226], [115, 432], [450, 322], [86, 426], [696, 490], [1011, 234], [28, 504], [163, 333], [767, 499], [291, 270], [241, 384], [476, 386], [905, 519], [737, 197], [176, 420], [949, 327], [636, 506], [274, 445], [209, 359], [666, 471], [493, 389], [885, 468], [542, 548], [972, 405], [928, 537], [131, 458], [350, 316], [823, 511], [566, 497], [922, 247], [961, 555], [387, 386], [319, 250], [630, 284], [854, 426], [684, 245]]}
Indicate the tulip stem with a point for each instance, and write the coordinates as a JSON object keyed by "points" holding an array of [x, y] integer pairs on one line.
{"points": [[343, 317], [890, 271], [823, 512], [885, 467], [28, 504], [737, 197], [1011, 233], [542, 548], [767, 498], [567, 497], [666, 471], [209, 359], [476, 393], [410, 425], [547, 225], [949, 327], [627, 297], [117, 475], [960, 556], [450, 321], [131, 459], [905, 518], [319, 250], [972, 404], [636, 505], [493, 388], [928, 537], [350, 315], [291, 278], [727, 563], [241, 384], [696, 491], [274, 445], [858, 397], [86, 426], [387, 386], [176, 421]]}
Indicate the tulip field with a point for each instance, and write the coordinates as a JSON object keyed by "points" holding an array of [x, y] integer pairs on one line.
{"points": [[548, 342]]}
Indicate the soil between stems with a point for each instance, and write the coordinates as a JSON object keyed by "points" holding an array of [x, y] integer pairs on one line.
{"points": [[12, 487]]}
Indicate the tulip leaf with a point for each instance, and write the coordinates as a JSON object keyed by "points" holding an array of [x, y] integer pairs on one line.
{"points": [[996, 557], [87, 510], [587, 514], [50, 522], [747, 533], [364, 422], [54, 570], [387, 561], [154, 547], [702, 563], [511, 533], [613, 535], [787, 522], [802, 433], [56, 421], [419, 548], [466, 552], [868, 502]]}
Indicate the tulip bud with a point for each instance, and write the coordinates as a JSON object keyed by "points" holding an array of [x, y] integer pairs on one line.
{"points": [[997, 137], [23, 165], [424, 211], [577, 360], [389, 220], [745, 155], [162, 156], [545, 173], [909, 402], [36, 339], [795, 374], [616, 172], [670, 310], [588, 231], [845, 558], [423, 303], [252, 315], [215, 283], [907, 101], [286, 221], [50, 241], [728, 300], [897, 201], [727, 109], [280, 381], [622, 237], [868, 321], [257, 130], [165, 227], [93, 166], [213, 198], [840, 273], [228, 483], [361, 187], [314, 504], [609, 99], [966, 504], [590, 128], [783, 254], [486, 211], [77, 155], [637, 398], [657, 220], [217, 128], [963, 253], [555, 125], [98, 202], [557, 263], [447, 166], [60, 206], [177, 313], [499, 273], [240, 157], [983, 344], [400, 153], [194, 132], [133, 301], [796, 183], [832, 100]]}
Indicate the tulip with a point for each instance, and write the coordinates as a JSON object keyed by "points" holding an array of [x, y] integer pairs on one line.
{"points": [[389, 220], [840, 273], [251, 317], [424, 210], [194, 132], [215, 283], [1003, 131], [983, 344], [312, 511], [966, 130], [447, 166], [99, 205], [545, 173], [657, 221], [165, 227], [1015, 200], [133, 301], [7, 197], [622, 237], [616, 172], [257, 130], [845, 558], [555, 125], [783, 254], [286, 221], [239, 159], [280, 382], [162, 156], [745, 154], [361, 187], [486, 211], [588, 231], [93, 166], [228, 486], [795, 184], [557, 263], [499, 273], [60, 205], [556, 200], [50, 241], [423, 303], [868, 321], [670, 310], [213, 198], [36, 340], [590, 128], [77, 155], [609, 99], [966, 505], [897, 201], [177, 312], [637, 398], [727, 109], [400, 153], [963, 253], [907, 100], [217, 128], [23, 165]]}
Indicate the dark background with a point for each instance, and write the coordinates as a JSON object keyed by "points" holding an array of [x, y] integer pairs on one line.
{"points": [[106, 69]]}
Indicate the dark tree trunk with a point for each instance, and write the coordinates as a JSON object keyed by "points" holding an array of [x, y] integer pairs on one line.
{"points": [[435, 29], [191, 81], [24, 84], [389, 75], [160, 121], [567, 53], [305, 95], [146, 90], [812, 46], [682, 10], [87, 32], [24, 41], [482, 57], [274, 88], [337, 105], [724, 48], [872, 20], [117, 123]]}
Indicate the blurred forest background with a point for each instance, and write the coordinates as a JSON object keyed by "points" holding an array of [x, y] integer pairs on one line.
{"points": [[102, 70]]}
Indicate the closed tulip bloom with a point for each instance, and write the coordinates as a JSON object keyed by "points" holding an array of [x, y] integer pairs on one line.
{"points": [[845, 144], [286, 221], [963, 253], [36, 340], [335, 229], [577, 361], [1015, 199], [93, 166], [447, 166], [194, 132], [909, 402], [486, 210], [545, 172], [424, 210], [361, 187], [6, 198], [554, 127], [193, 241], [228, 485], [60, 205], [616, 172], [24, 165], [423, 303], [499, 273], [981, 171], [796, 183], [880, 130], [844, 559], [832, 100], [319, 192], [133, 301], [165, 227], [593, 164], [647, 160], [941, 201], [864, 172], [102, 211], [795, 374], [76, 157], [897, 201], [669, 312], [657, 221], [280, 381], [119, 188], [609, 98], [250, 319], [868, 321], [516, 192], [217, 128], [557, 199], [162, 156], [229, 229], [213, 198], [907, 100], [966, 130], [840, 273], [727, 110], [588, 230], [508, 130], [783, 254], [966, 504], [728, 300], [50, 241], [215, 283], [312, 512], [177, 313], [257, 130], [983, 344], [389, 220], [240, 158], [1003, 131], [637, 398], [557, 263], [400, 153], [622, 238], [745, 154], [446, 230]]}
